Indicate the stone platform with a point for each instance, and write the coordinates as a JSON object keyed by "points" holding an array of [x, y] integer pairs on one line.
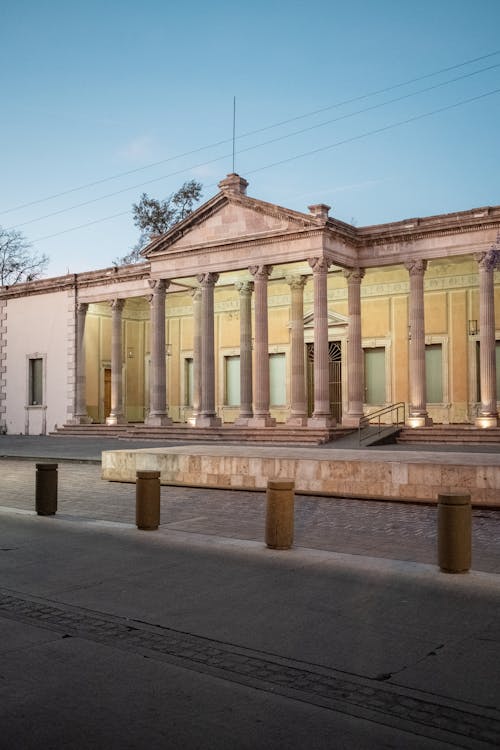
{"points": [[383, 474]]}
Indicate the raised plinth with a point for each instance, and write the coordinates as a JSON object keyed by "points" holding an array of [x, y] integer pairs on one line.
{"points": [[419, 420], [115, 419], [157, 420], [415, 475], [261, 422], [486, 422]]}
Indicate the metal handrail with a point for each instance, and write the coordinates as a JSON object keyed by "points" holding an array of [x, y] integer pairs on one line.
{"points": [[367, 420]]}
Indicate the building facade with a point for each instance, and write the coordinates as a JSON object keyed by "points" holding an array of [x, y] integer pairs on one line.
{"points": [[250, 313]]}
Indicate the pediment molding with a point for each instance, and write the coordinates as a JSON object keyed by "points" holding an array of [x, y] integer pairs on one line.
{"points": [[334, 319], [292, 222]]}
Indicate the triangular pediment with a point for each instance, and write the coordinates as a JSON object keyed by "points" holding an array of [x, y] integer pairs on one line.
{"points": [[334, 319], [228, 218]]}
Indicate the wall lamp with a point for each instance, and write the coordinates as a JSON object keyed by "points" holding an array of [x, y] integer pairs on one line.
{"points": [[473, 328]]}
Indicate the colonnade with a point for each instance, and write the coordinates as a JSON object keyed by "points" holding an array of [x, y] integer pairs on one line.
{"points": [[254, 375]]}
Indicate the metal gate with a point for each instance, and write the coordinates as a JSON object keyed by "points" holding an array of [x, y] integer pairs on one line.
{"points": [[335, 379]]}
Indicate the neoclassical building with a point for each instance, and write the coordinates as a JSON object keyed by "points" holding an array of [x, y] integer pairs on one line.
{"points": [[254, 314]]}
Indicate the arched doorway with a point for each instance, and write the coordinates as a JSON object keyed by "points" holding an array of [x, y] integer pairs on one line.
{"points": [[335, 379]]}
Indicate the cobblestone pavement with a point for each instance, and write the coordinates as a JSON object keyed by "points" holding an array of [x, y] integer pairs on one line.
{"points": [[376, 529]]}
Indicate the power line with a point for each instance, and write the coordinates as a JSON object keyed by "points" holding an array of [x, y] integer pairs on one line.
{"points": [[376, 131], [306, 153], [252, 148], [252, 132]]}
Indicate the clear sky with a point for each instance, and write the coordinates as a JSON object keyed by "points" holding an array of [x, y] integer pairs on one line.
{"points": [[91, 90]]}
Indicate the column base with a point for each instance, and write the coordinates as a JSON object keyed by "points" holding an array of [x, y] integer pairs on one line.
{"points": [[419, 420], [351, 420], [207, 420], [157, 420], [321, 422], [116, 419], [297, 420], [264, 421], [80, 419], [488, 420], [243, 420]]}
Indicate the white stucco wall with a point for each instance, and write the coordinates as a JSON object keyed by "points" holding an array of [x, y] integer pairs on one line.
{"points": [[37, 326]]}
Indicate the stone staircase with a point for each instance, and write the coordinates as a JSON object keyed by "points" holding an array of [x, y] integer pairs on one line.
{"points": [[456, 434], [279, 435]]}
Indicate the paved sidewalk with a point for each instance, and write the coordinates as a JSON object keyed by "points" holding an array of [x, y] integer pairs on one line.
{"points": [[119, 639], [196, 636]]}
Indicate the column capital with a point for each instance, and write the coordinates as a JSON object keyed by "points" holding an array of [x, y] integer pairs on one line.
{"points": [[488, 260], [416, 266], [117, 304], [158, 285], [82, 307], [244, 287], [295, 281], [319, 265], [195, 293], [207, 279], [354, 274], [260, 272]]}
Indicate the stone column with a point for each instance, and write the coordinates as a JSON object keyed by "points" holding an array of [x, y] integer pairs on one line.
{"points": [[80, 416], [245, 289], [196, 296], [158, 407], [488, 414], [261, 415], [321, 417], [355, 372], [116, 415], [207, 416], [417, 416], [298, 406]]}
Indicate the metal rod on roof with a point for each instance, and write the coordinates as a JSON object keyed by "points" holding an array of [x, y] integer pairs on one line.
{"points": [[234, 127]]}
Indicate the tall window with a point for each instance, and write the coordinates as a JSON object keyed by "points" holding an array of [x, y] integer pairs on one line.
{"points": [[375, 375], [433, 373], [35, 394], [232, 380], [188, 381], [277, 380]]}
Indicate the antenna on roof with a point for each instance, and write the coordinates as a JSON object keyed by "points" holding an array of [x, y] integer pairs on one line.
{"points": [[234, 127]]}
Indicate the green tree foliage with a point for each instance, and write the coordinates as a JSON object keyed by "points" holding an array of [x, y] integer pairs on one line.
{"points": [[18, 262], [154, 216]]}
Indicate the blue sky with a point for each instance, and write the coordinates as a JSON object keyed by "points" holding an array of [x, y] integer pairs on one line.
{"points": [[92, 90]]}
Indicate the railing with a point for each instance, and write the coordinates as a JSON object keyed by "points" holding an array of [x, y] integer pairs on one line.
{"points": [[368, 420]]}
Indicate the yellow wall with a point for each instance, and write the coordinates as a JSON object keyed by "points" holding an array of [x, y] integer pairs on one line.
{"points": [[451, 300]]}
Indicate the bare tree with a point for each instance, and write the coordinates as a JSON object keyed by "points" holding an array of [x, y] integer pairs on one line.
{"points": [[154, 216], [18, 262]]}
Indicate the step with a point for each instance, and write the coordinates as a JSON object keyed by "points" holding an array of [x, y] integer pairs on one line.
{"points": [[456, 434], [227, 433]]}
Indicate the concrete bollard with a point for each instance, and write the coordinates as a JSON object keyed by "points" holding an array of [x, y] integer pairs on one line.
{"points": [[46, 489], [454, 532], [147, 500], [279, 514]]}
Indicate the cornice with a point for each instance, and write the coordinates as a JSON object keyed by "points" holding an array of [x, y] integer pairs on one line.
{"points": [[85, 280], [268, 238], [441, 225]]}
